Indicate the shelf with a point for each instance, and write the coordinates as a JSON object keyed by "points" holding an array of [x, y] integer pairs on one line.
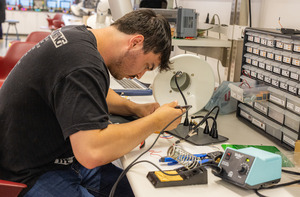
{"points": [[207, 46]]}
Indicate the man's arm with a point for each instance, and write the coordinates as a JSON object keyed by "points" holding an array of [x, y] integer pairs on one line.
{"points": [[121, 106], [94, 148]]}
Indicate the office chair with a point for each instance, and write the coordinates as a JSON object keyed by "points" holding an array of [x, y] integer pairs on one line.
{"points": [[55, 22], [12, 56], [35, 36], [10, 189]]}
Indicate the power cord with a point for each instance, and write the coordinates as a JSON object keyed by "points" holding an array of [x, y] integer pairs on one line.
{"points": [[279, 185], [186, 121], [112, 192]]}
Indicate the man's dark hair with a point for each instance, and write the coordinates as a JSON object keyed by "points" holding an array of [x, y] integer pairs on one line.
{"points": [[154, 28]]}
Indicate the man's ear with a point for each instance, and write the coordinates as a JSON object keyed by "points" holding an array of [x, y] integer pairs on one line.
{"points": [[137, 41]]}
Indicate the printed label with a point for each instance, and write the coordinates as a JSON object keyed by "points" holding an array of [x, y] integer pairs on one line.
{"points": [[285, 73], [294, 76], [277, 100], [259, 124], [286, 60], [290, 106]]}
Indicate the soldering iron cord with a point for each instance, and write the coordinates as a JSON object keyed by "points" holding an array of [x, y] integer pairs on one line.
{"points": [[112, 192]]}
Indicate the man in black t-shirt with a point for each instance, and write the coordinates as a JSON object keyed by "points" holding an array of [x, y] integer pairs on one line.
{"points": [[55, 134]]}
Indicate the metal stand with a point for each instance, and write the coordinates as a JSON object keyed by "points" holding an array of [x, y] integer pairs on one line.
{"points": [[199, 139]]}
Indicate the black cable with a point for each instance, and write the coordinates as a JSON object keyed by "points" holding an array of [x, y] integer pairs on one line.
{"points": [[112, 192], [176, 4], [276, 186], [206, 116], [259, 194], [250, 14], [186, 121], [290, 172]]}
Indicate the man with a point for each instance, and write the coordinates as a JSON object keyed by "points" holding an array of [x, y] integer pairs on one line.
{"points": [[55, 134]]}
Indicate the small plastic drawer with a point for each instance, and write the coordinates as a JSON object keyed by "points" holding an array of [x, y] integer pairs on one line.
{"points": [[245, 112], [261, 63], [270, 54], [292, 87], [285, 70], [279, 42], [294, 73], [260, 76], [257, 38], [246, 69], [283, 83], [275, 80], [273, 129], [263, 52], [269, 65], [250, 36], [254, 61], [293, 103], [261, 106], [292, 121], [263, 40], [258, 120], [287, 57], [270, 41], [253, 72], [287, 44], [267, 77], [295, 59], [277, 96], [248, 58], [278, 56], [277, 68], [289, 137], [296, 46], [276, 113], [249, 47]]}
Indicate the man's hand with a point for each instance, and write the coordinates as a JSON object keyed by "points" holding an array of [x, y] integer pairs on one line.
{"points": [[166, 113], [143, 110]]}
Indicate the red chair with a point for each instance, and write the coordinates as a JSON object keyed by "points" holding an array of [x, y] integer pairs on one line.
{"points": [[55, 22], [10, 189], [12, 56], [37, 36], [34, 36]]}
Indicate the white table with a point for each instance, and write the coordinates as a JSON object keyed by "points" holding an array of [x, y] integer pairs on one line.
{"points": [[238, 133]]}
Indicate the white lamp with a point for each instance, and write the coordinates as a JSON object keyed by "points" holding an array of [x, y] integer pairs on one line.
{"points": [[197, 82], [119, 8], [197, 85]]}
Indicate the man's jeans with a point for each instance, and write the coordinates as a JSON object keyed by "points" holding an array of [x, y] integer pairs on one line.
{"points": [[80, 181]]}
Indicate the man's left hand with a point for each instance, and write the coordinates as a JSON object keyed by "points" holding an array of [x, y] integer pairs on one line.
{"points": [[146, 109]]}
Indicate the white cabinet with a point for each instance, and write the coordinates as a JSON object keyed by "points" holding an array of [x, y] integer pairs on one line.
{"points": [[29, 21]]}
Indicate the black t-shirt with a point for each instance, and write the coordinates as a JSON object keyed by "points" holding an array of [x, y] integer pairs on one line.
{"points": [[58, 88]]}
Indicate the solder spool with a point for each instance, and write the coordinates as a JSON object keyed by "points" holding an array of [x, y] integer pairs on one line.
{"points": [[184, 158]]}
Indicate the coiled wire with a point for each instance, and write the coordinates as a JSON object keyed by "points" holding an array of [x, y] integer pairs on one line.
{"points": [[183, 157]]}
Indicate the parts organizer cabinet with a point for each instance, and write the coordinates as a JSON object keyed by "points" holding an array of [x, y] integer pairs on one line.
{"points": [[273, 59]]}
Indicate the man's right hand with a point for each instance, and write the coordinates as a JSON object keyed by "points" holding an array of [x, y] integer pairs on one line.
{"points": [[167, 113]]}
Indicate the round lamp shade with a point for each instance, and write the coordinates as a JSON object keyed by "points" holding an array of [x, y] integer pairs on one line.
{"points": [[196, 82]]}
